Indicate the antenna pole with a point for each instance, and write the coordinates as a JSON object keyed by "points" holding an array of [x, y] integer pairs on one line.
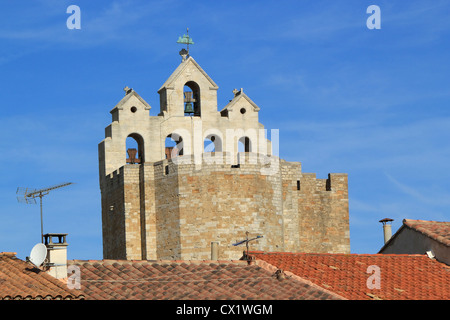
{"points": [[246, 241], [41, 195], [42, 221]]}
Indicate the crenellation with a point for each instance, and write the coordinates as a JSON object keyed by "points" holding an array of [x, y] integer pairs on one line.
{"points": [[172, 205]]}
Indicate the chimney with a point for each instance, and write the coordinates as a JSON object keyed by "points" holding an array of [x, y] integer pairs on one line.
{"points": [[387, 228], [214, 250], [56, 254]]}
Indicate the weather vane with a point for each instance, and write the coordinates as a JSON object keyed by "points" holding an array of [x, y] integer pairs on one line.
{"points": [[185, 40]]}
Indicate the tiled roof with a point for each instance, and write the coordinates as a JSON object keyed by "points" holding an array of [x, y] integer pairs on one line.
{"points": [[437, 230], [190, 280], [402, 277], [21, 280]]}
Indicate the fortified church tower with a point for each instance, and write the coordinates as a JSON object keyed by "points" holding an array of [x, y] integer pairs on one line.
{"points": [[188, 201]]}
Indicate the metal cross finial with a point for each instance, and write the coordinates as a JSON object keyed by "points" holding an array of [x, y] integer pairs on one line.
{"points": [[127, 90]]}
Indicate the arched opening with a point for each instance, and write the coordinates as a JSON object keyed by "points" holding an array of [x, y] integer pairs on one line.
{"points": [[244, 145], [208, 145], [191, 95], [134, 145], [173, 146], [212, 143]]}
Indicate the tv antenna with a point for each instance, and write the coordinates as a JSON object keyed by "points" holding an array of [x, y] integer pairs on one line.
{"points": [[246, 241], [29, 195]]}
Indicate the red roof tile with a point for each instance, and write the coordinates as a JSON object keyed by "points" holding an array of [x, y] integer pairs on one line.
{"points": [[21, 280], [437, 230], [189, 280], [402, 277]]}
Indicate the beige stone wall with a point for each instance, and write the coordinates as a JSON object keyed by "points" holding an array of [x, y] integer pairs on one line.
{"points": [[323, 210], [174, 209], [132, 211], [148, 213], [113, 209], [187, 207], [168, 236], [220, 203], [130, 117]]}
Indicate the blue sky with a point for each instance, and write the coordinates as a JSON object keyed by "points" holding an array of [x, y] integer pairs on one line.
{"points": [[370, 103]]}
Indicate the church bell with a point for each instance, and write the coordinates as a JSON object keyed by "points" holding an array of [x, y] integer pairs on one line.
{"points": [[188, 108], [188, 99]]}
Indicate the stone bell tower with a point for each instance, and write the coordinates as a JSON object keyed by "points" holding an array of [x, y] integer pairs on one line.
{"points": [[218, 181]]}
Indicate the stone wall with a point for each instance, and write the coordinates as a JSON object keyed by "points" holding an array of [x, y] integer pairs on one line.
{"points": [[113, 208], [174, 209], [323, 214], [221, 203]]}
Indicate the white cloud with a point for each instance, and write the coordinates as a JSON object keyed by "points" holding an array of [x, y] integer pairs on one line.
{"points": [[427, 196], [106, 22]]}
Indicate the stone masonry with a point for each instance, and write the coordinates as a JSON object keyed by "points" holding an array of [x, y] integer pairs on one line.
{"points": [[172, 203]]}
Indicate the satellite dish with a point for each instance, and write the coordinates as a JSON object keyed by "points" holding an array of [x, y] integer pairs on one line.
{"points": [[38, 254]]}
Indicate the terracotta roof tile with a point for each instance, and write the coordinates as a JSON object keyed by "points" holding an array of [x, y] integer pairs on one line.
{"points": [[21, 280], [185, 280], [437, 230], [402, 277]]}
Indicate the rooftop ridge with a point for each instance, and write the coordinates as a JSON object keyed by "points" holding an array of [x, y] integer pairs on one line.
{"points": [[340, 254], [26, 282], [271, 268], [159, 261], [192, 279], [426, 221], [8, 254], [403, 276], [428, 228]]}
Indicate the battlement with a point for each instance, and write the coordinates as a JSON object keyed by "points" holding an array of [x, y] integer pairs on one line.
{"points": [[223, 161], [200, 176], [249, 163], [215, 201], [334, 182]]}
